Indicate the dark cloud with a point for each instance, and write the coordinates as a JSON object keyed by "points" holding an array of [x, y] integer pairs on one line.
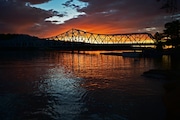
{"points": [[16, 17], [123, 15], [122, 7], [34, 1], [69, 3], [96, 6]]}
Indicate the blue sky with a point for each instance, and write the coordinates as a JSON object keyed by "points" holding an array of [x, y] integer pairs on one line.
{"points": [[68, 11]]}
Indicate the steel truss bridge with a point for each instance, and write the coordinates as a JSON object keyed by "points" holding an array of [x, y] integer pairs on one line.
{"points": [[75, 35]]}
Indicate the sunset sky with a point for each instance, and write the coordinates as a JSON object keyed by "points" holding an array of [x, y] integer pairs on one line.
{"points": [[46, 18]]}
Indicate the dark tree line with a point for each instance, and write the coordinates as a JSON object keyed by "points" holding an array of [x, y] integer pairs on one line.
{"points": [[170, 36], [172, 32], [7, 36]]}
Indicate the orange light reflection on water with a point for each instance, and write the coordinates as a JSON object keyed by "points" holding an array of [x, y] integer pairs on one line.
{"points": [[100, 71]]}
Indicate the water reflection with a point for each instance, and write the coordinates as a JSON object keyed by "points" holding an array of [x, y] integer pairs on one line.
{"points": [[61, 85]]}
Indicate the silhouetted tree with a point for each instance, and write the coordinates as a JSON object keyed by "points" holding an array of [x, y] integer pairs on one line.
{"points": [[172, 32], [159, 44]]}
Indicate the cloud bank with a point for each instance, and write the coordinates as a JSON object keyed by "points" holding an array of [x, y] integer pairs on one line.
{"points": [[101, 16]]}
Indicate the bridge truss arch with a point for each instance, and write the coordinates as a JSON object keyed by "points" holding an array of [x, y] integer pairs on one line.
{"points": [[75, 35]]}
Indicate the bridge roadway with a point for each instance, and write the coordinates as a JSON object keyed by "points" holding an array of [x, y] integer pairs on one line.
{"points": [[59, 45]]}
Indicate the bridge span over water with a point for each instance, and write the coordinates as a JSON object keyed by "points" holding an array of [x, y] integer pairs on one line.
{"points": [[79, 39], [75, 35]]}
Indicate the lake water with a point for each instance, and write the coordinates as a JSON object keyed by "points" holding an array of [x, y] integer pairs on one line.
{"points": [[59, 85]]}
